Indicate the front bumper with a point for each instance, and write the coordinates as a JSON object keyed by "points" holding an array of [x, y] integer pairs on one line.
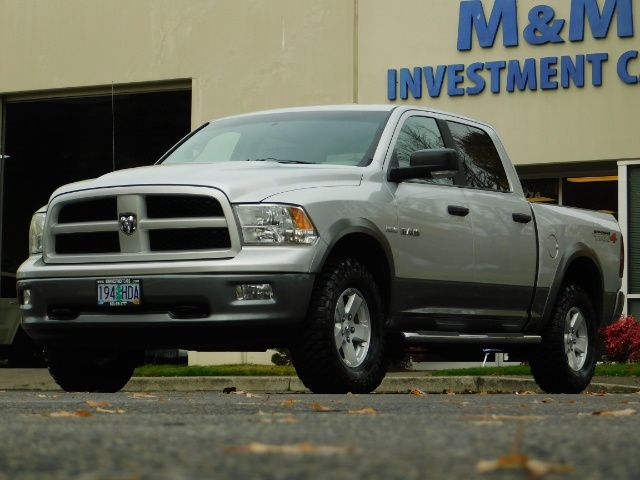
{"points": [[199, 312]]}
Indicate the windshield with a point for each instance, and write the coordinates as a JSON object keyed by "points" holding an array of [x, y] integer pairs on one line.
{"points": [[333, 137]]}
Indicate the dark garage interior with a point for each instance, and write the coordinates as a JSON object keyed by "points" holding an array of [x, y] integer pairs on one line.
{"points": [[48, 143]]}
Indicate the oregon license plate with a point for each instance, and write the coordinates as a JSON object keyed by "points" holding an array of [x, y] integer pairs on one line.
{"points": [[119, 292]]}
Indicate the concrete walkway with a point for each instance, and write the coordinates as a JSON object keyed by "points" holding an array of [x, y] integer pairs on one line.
{"points": [[40, 380]]}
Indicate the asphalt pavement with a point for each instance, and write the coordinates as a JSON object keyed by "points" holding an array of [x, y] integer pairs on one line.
{"points": [[38, 379]]}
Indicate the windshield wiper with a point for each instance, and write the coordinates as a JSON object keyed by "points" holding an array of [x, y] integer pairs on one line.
{"points": [[271, 159]]}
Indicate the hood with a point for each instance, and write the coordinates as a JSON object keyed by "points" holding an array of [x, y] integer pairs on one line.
{"points": [[240, 181]]}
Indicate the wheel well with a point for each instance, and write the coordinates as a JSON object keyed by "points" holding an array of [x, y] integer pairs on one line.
{"points": [[368, 251], [584, 272]]}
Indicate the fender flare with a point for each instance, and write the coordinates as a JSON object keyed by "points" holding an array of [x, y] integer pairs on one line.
{"points": [[344, 227], [544, 300]]}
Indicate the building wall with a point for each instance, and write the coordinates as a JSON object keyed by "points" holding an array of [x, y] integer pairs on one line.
{"points": [[541, 126], [242, 55], [254, 54]]}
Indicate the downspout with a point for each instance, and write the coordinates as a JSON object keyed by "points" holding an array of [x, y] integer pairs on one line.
{"points": [[355, 50], [1, 178]]}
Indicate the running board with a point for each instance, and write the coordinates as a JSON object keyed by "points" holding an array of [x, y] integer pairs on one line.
{"points": [[474, 339]]}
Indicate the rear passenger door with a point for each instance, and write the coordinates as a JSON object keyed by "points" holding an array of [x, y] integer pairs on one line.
{"points": [[504, 236]]}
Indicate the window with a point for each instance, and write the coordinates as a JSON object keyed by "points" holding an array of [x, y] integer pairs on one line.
{"points": [[544, 190], [481, 161], [419, 133], [339, 138]]}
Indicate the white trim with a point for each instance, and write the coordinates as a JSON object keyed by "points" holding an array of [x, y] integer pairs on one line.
{"points": [[628, 162], [623, 220]]}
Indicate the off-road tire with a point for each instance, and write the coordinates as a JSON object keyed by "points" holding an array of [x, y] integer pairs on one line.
{"points": [[338, 349], [565, 360], [78, 370]]}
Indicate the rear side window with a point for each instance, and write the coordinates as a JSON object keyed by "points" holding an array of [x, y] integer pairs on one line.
{"points": [[481, 161]]}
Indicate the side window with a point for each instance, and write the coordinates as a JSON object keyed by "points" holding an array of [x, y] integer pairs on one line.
{"points": [[481, 161], [419, 133]]}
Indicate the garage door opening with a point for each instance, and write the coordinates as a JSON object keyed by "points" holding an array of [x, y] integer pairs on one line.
{"points": [[57, 141]]}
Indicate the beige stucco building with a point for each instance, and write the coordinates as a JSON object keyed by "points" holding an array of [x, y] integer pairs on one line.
{"points": [[83, 80]]}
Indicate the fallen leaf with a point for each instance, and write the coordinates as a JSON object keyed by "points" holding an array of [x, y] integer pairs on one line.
{"points": [[526, 392], [296, 449], [320, 408], [142, 395], [287, 403], [498, 418], [104, 410], [289, 419], [415, 391], [363, 411], [62, 413], [533, 466], [91, 403], [616, 413]]}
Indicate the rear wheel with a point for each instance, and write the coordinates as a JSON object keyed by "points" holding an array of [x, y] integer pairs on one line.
{"points": [[565, 360], [80, 370], [341, 347]]}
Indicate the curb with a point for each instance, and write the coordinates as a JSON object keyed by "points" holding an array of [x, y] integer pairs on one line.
{"points": [[430, 385], [388, 385]]}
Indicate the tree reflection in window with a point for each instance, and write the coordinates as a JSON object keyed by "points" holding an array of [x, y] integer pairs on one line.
{"points": [[481, 161], [419, 133]]}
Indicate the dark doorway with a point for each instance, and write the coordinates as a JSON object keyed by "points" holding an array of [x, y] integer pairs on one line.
{"points": [[53, 142]]}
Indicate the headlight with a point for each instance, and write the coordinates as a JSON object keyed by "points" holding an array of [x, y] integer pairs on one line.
{"points": [[36, 230], [275, 224]]}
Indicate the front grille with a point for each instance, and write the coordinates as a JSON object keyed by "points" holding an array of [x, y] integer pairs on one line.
{"points": [[182, 206], [101, 209], [189, 239], [169, 225], [87, 243]]}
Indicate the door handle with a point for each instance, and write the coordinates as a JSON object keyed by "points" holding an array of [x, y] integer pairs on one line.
{"points": [[458, 211], [521, 217]]}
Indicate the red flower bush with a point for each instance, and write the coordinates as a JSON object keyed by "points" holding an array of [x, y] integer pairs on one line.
{"points": [[622, 339]]}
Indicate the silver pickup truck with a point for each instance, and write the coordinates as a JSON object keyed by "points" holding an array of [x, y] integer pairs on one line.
{"points": [[341, 233]]}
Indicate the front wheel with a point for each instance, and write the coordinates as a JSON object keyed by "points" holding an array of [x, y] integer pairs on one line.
{"points": [[83, 370], [341, 347], [565, 360]]}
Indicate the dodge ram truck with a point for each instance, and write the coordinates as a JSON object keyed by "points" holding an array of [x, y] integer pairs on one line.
{"points": [[342, 233]]}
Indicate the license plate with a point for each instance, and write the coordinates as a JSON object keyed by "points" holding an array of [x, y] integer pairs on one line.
{"points": [[119, 292]]}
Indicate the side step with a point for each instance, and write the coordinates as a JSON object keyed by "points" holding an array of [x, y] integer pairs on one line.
{"points": [[470, 339]]}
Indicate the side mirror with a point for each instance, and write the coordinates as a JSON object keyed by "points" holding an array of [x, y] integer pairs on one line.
{"points": [[423, 163]]}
